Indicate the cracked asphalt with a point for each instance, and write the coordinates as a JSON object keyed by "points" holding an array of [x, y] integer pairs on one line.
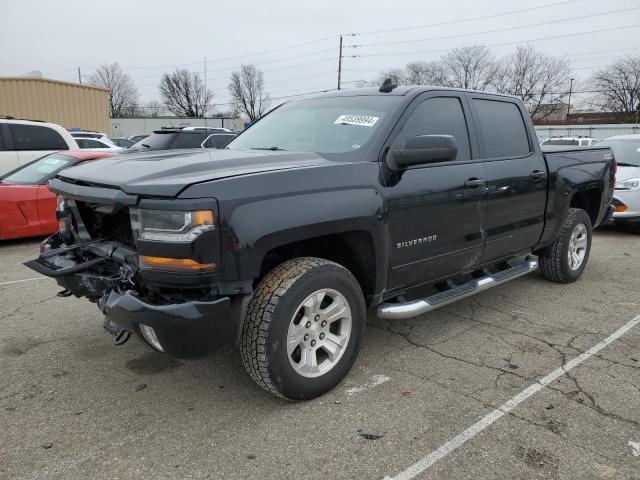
{"points": [[72, 406]]}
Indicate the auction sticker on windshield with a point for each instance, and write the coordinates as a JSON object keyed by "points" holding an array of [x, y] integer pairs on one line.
{"points": [[362, 120]]}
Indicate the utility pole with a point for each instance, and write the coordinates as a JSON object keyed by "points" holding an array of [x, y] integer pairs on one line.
{"points": [[79, 76], [340, 63], [570, 90], [205, 92]]}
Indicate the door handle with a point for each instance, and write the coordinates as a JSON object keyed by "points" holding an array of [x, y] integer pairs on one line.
{"points": [[475, 182], [538, 175]]}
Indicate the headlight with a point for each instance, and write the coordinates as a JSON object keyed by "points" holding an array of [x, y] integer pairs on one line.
{"points": [[630, 184], [171, 225]]}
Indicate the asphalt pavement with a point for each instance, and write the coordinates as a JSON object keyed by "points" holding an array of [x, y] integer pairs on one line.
{"points": [[453, 394]]}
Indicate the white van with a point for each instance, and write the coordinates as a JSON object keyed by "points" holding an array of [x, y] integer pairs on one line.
{"points": [[24, 140]]}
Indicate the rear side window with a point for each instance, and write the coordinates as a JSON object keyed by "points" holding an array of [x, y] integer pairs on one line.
{"points": [[218, 140], [89, 143], [503, 129], [189, 140], [437, 116], [36, 137]]}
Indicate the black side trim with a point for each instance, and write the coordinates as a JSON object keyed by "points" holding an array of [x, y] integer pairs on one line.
{"points": [[41, 268]]}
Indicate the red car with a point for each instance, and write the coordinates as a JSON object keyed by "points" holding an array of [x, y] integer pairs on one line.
{"points": [[27, 206]]}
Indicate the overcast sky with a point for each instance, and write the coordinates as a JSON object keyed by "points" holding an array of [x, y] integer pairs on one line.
{"points": [[149, 37]]}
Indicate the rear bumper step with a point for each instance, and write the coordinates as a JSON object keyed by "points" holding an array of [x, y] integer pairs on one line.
{"points": [[396, 311]]}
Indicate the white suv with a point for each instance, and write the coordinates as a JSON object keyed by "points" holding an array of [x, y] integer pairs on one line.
{"points": [[93, 141], [24, 140]]}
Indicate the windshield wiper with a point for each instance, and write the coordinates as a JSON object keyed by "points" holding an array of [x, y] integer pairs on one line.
{"points": [[145, 145], [624, 164], [275, 148]]}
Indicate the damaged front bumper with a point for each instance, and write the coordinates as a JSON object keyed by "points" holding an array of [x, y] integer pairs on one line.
{"points": [[180, 330], [106, 273]]}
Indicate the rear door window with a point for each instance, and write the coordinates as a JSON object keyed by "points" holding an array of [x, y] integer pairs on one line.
{"points": [[36, 137], [502, 128]]}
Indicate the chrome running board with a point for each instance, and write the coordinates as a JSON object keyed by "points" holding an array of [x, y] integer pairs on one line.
{"points": [[395, 311]]}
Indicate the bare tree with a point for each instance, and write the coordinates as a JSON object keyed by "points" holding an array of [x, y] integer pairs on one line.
{"points": [[185, 94], [123, 94], [540, 80], [425, 73], [618, 87], [247, 92], [153, 109], [398, 75], [470, 67]]}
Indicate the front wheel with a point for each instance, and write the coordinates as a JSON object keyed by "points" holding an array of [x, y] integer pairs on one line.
{"points": [[303, 328], [566, 258]]}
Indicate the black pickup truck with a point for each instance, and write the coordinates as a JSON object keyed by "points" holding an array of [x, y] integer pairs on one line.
{"points": [[395, 199]]}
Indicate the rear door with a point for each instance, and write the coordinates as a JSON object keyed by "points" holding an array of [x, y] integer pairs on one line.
{"points": [[516, 175], [8, 156], [435, 211], [33, 141]]}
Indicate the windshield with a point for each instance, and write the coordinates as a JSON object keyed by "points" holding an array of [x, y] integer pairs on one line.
{"points": [[39, 171], [327, 126], [624, 150]]}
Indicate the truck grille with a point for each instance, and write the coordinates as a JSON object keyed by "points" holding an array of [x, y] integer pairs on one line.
{"points": [[115, 226]]}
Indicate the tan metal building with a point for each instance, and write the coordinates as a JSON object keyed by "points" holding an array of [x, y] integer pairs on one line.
{"points": [[68, 104]]}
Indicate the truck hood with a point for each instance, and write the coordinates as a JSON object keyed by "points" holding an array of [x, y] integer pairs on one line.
{"points": [[166, 173], [626, 173]]}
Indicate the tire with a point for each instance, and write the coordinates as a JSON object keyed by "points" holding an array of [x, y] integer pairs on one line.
{"points": [[270, 326], [555, 264]]}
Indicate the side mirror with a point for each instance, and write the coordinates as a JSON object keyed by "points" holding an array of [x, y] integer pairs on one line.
{"points": [[423, 149]]}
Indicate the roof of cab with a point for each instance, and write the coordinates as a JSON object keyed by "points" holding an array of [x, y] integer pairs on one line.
{"points": [[399, 91]]}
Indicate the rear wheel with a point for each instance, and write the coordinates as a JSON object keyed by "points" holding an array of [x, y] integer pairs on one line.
{"points": [[303, 328], [565, 259]]}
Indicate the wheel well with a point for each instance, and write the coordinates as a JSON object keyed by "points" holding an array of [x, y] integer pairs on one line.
{"points": [[353, 250], [589, 201]]}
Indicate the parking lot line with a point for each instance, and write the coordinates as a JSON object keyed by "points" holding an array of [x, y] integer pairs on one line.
{"points": [[457, 441], [21, 281]]}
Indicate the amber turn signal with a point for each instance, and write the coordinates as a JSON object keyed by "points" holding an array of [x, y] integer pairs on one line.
{"points": [[203, 217], [620, 208], [174, 263]]}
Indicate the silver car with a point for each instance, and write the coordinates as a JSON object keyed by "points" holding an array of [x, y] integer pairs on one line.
{"points": [[626, 197]]}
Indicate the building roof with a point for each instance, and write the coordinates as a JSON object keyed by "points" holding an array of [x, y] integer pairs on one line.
{"points": [[50, 80]]}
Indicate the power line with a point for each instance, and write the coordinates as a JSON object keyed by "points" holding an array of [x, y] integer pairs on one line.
{"points": [[566, 35], [235, 57], [499, 30], [470, 19], [230, 68], [221, 59]]}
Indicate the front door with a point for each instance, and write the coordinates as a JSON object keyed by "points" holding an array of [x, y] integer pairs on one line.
{"points": [[435, 211], [516, 176]]}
